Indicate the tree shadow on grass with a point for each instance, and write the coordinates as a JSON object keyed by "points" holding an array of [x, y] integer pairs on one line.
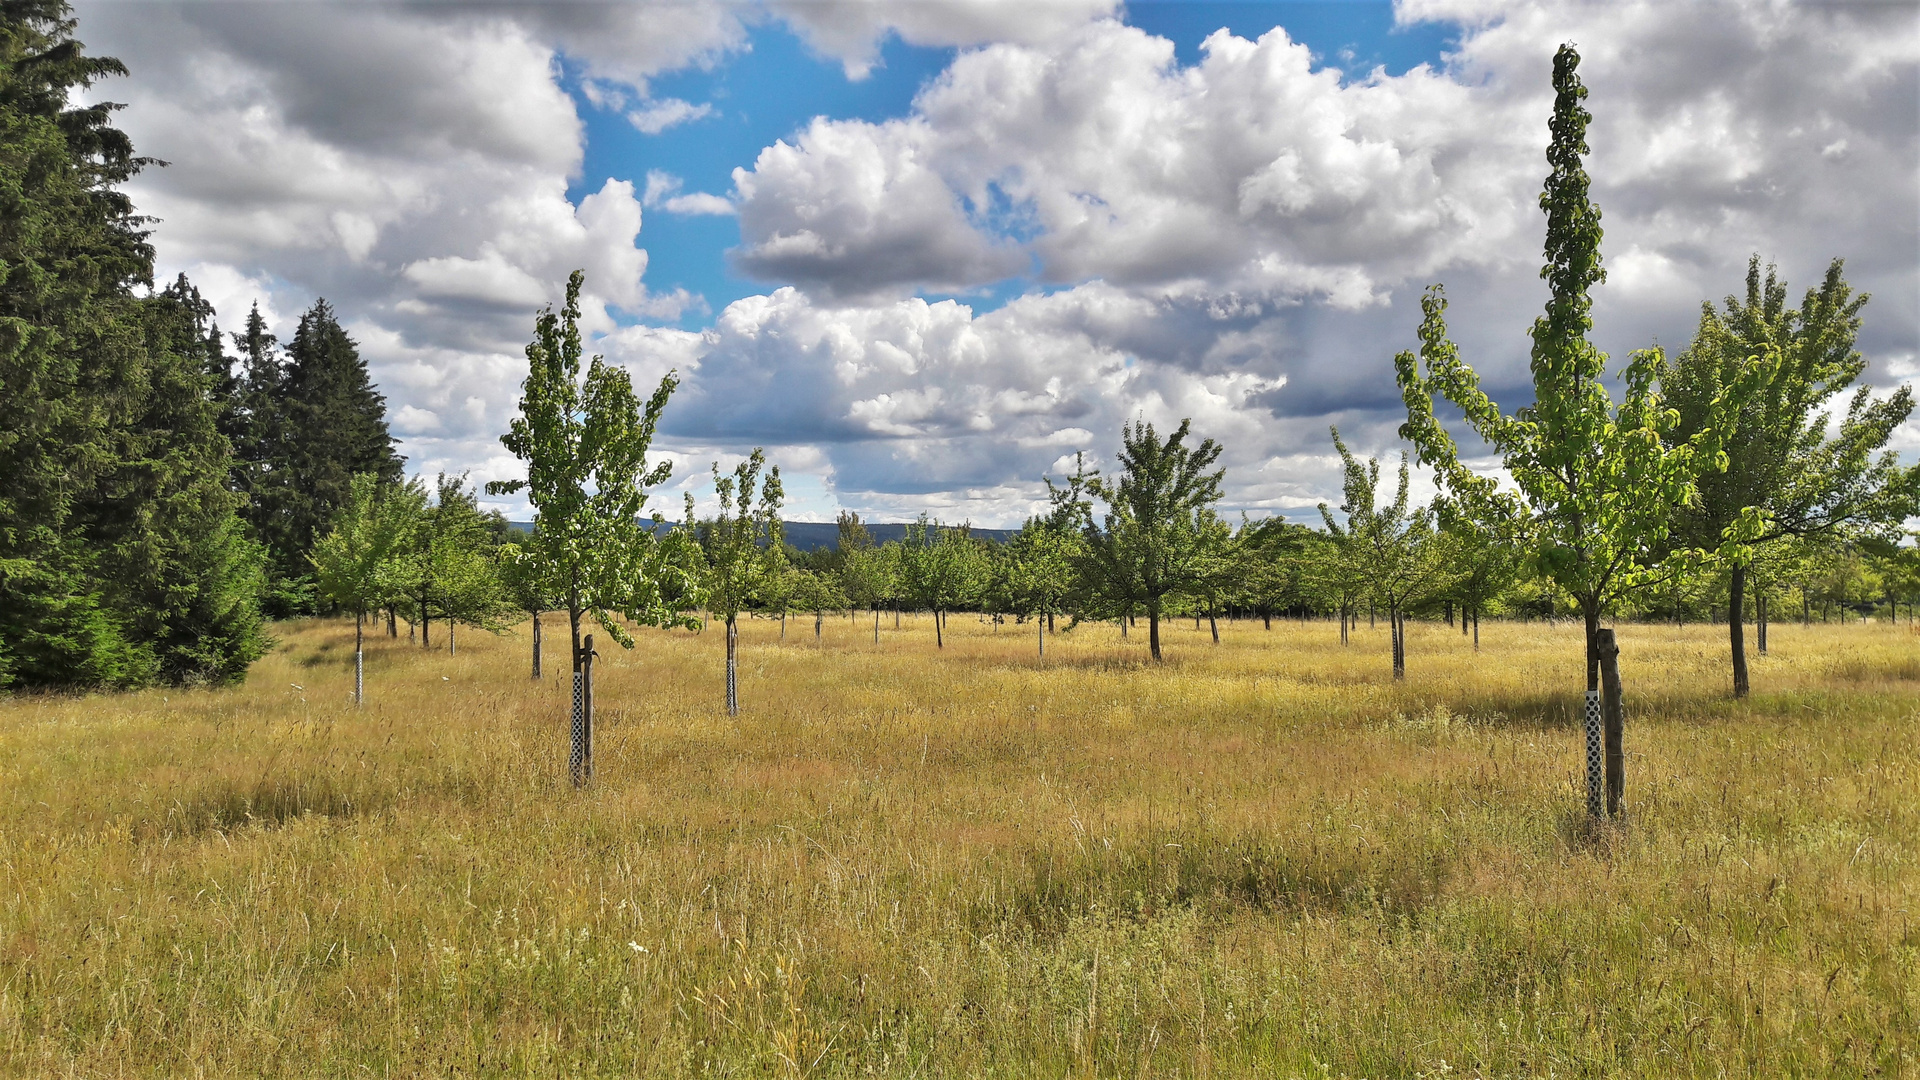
{"points": [[1046, 890]]}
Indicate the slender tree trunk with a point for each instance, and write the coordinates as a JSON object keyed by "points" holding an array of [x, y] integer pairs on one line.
{"points": [[1214, 625], [1123, 628], [1450, 615], [1596, 777], [896, 616], [1396, 621], [536, 644], [1266, 618], [1196, 620], [393, 625], [1613, 722], [453, 644], [1343, 626], [580, 742], [1476, 628], [783, 626], [1153, 632], [1050, 619], [1041, 624], [1760, 620], [939, 639], [426, 624], [1737, 627], [876, 626], [359, 660], [818, 619], [733, 668]]}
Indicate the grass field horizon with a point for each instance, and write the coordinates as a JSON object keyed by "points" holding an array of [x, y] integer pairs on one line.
{"points": [[1258, 858]]}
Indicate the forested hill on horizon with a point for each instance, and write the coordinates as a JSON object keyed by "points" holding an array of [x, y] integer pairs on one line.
{"points": [[814, 535]]}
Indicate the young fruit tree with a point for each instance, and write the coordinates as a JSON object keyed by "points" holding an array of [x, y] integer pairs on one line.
{"points": [[1780, 458], [1393, 549], [1038, 573], [357, 564], [869, 578], [522, 576], [1276, 558], [941, 567], [451, 569], [743, 550], [1596, 485], [585, 445], [1159, 536]]}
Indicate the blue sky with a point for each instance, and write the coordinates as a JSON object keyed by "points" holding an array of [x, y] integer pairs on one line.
{"points": [[772, 88], [1030, 222]]}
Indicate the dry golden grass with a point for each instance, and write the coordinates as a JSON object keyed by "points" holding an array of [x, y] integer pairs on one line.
{"points": [[1257, 859]]}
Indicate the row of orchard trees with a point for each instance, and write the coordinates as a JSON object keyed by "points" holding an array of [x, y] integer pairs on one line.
{"points": [[1722, 463]]}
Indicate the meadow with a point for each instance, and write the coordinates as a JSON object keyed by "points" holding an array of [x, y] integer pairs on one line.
{"points": [[1262, 858]]}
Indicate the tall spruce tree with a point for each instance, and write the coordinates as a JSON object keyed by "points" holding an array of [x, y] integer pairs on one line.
{"points": [[325, 425], [120, 557]]}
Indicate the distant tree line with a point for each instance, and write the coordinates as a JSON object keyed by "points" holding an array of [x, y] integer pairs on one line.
{"points": [[165, 487]]}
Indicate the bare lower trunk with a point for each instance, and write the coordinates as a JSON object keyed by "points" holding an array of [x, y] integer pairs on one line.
{"points": [[1041, 624], [1396, 622], [818, 619], [453, 646], [1476, 629], [733, 668], [359, 660], [1613, 722], [1214, 625], [536, 644], [1153, 632], [1596, 779], [393, 625], [1737, 627], [580, 743], [1266, 619], [1760, 622]]}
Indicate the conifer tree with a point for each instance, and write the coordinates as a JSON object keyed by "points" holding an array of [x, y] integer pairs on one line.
{"points": [[332, 426], [120, 558]]}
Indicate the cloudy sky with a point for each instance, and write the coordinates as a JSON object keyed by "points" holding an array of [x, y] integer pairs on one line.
{"points": [[923, 252]]}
